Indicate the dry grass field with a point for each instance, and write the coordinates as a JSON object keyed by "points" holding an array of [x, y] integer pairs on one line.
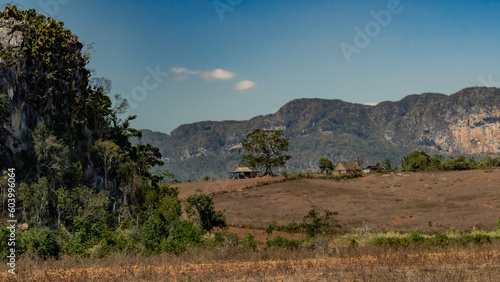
{"points": [[332, 264], [377, 202]]}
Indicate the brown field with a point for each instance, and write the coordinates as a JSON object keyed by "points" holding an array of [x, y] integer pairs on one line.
{"points": [[376, 202], [223, 185]]}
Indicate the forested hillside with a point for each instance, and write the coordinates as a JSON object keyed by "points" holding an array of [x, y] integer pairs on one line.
{"points": [[69, 173]]}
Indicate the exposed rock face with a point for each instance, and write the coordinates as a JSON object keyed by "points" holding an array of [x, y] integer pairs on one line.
{"points": [[11, 64], [467, 122], [42, 73]]}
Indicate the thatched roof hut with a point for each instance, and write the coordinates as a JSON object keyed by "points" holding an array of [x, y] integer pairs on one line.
{"points": [[346, 167], [245, 172]]}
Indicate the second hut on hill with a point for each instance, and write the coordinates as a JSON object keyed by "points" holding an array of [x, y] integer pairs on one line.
{"points": [[346, 167], [244, 172]]}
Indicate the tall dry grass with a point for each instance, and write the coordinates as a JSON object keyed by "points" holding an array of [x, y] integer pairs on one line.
{"points": [[321, 260]]}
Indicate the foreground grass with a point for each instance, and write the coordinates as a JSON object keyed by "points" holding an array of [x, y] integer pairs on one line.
{"points": [[336, 258]]}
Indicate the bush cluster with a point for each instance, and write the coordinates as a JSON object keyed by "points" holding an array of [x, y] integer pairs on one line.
{"points": [[421, 161]]}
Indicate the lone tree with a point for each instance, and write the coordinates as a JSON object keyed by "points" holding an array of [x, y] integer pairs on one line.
{"points": [[325, 165], [264, 148]]}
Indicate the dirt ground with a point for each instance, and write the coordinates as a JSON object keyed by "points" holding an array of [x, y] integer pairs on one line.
{"points": [[404, 201], [223, 185]]}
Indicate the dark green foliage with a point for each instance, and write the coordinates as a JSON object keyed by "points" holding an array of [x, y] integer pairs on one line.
{"points": [[36, 199], [279, 242], [4, 108], [387, 164], [436, 161], [162, 206], [4, 239], [489, 161], [325, 165], [175, 236], [416, 161], [202, 206], [264, 149], [420, 161], [458, 163], [41, 242], [390, 241], [153, 228], [270, 228], [314, 224], [441, 239], [417, 238], [475, 238], [293, 227], [249, 242]]}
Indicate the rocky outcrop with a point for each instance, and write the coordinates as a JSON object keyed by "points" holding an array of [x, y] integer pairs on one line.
{"points": [[467, 122], [44, 79]]}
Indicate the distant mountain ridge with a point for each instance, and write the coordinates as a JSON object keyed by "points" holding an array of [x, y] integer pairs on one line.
{"points": [[467, 122]]}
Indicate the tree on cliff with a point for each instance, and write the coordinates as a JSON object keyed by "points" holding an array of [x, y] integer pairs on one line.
{"points": [[264, 149]]}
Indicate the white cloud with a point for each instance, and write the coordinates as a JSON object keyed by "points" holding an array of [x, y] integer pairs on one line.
{"points": [[221, 74], [370, 104], [184, 70], [244, 85], [218, 74]]}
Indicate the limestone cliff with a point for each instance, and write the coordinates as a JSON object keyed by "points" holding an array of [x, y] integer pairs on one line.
{"points": [[467, 122], [44, 80]]}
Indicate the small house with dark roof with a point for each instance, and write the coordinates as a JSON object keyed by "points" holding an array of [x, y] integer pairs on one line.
{"points": [[373, 168], [244, 172], [346, 167]]}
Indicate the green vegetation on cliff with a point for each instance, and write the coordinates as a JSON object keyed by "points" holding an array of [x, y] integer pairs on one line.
{"points": [[81, 186]]}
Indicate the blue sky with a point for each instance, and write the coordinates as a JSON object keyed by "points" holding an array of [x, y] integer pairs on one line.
{"points": [[186, 61]]}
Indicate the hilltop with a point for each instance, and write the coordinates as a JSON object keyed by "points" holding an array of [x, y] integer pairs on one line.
{"points": [[377, 202]]}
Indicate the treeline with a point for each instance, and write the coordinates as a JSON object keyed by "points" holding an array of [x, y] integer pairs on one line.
{"points": [[421, 161]]}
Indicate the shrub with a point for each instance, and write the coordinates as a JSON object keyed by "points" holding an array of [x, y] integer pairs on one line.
{"points": [[475, 238], [292, 227], [154, 229], [249, 242], [40, 242], [416, 161], [160, 235], [202, 205], [441, 239], [315, 224], [270, 228], [458, 163], [391, 241], [4, 247], [279, 242], [417, 237]]}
